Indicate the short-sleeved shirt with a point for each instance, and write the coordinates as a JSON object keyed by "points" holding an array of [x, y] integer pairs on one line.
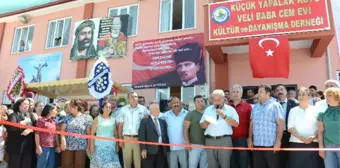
{"points": [[264, 118], [77, 125], [331, 122], [47, 139], [243, 110], [196, 133], [219, 126], [304, 121], [131, 117], [174, 125]]}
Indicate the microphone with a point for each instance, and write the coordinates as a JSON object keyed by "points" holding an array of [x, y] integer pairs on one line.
{"points": [[217, 107]]}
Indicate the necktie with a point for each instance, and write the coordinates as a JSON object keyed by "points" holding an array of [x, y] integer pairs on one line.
{"points": [[286, 117], [157, 127]]}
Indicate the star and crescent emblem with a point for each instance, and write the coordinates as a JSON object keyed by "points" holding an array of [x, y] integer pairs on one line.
{"points": [[270, 52]]}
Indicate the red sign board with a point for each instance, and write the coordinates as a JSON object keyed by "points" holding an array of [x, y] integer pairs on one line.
{"points": [[246, 18]]}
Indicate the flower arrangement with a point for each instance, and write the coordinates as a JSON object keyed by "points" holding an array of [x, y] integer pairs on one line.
{"points": [[16, 86]]}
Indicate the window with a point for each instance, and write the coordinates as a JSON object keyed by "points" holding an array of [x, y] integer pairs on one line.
{"points": [[132, 11], [177, 15], [163, 93], [186, 94], [58, 33], [23, 37]]}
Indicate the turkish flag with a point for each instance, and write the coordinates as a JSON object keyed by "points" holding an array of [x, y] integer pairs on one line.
{"points": [[269, 57]]}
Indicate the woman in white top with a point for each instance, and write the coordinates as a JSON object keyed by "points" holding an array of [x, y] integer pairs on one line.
{"points": [[303, 125]]}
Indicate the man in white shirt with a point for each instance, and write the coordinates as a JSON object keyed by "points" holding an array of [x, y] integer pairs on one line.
{"points": [[218, 120], [322, 105], [130, 118]]}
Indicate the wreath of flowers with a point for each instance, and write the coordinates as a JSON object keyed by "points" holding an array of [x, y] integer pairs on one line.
{"points": [[16, 86]]}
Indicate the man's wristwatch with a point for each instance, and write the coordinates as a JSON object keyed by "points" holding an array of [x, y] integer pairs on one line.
{"points": [[225, 116]]}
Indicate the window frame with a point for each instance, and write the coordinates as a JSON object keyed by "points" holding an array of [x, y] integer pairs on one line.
{"points": [[62, 33], [13, 39], [128, 11], [192, 87], [183, 17], [169, 92]]}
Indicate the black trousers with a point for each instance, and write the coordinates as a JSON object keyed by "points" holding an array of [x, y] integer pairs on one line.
{"points": [[120, 157], [156, 160], [284, 154], [19, 161], [266, 159], [304, 159]]}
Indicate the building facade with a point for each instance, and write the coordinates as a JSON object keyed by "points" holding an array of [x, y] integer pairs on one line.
{"points": [[226, 62]]}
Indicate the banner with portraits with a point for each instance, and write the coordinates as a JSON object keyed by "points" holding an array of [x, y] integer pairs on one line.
{"points": [[175, 61], [100, 37]]}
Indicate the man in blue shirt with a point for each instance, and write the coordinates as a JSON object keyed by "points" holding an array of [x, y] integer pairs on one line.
{"points": [[174, 119], [266, 129]]}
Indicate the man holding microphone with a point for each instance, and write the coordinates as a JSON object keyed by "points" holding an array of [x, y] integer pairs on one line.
{"points": [[218, 120]]}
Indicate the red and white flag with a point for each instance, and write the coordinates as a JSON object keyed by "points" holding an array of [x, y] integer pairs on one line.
{"points": [[269, 57]]}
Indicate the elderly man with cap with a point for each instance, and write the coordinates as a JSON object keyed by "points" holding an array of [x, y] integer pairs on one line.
{"points": [[322, 105], [188, 59], [83, 47]]}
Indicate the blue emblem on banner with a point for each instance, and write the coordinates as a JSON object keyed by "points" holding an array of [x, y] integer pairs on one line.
{"points": [[100, 82], [101, 78], [221, 15]]}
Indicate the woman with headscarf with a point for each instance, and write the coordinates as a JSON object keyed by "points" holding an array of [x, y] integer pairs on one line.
{"points": [[20, 142], [329, 124]]}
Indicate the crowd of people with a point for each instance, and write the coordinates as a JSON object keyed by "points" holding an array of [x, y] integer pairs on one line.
{"points": [[271, 118]]}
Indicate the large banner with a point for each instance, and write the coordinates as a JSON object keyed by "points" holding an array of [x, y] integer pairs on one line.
{"points": [[175, 61], [96, 37], [336, 13], [245, 18], [41, 68]]}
